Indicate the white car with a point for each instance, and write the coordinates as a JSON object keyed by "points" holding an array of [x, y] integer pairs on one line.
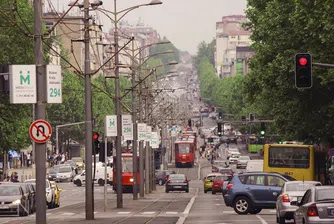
{"points": [[230, 151], [50, 193], [234, 157]]}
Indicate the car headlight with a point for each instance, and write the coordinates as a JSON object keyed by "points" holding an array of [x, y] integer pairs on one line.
{"points": [[131, 179], [16, 202]]}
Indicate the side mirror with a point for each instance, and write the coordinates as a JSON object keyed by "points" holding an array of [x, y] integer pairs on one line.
{"points": [[295, 203]]}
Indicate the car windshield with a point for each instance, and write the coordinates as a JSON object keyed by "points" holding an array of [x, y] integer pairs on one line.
{"points": [[235, 156], [53, 170], [298, 186], [325, 194], [219, 162], [221, 178], [233, 150], [64, 170], [9, 190], [211, 177], [244, 158], [289, 178], [177, 177], [70, 163]]}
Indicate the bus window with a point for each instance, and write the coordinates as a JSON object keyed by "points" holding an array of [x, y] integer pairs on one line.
{"points": [[285, 157]]}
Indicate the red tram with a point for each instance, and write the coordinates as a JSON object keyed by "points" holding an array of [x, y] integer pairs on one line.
{"points": [[185, 149], [127, 172]]}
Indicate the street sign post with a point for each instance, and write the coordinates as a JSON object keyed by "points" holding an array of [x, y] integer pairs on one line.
{"points": [[40, 131], [110, 126], [155, 140], [53, 84], [22, 81], [127, 127], [141, 132]]}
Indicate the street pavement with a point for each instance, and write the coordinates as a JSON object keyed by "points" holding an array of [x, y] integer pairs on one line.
{"points": [[157, 208]]}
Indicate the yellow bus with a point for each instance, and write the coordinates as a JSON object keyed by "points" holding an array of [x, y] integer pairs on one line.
{"points": [[303, 162]]}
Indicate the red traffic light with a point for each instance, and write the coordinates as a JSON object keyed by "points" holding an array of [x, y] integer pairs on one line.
{"points": [[303, 61], [96, 136]]}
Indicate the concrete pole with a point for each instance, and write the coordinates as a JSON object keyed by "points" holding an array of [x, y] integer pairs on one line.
{"points": [[135, 127], [89, 202], [119, 118], [40, 157], [147, 168], [141, 143]]}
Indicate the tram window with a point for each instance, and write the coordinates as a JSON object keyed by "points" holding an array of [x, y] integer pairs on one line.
{"points": [[127, 165], [289, 157]]}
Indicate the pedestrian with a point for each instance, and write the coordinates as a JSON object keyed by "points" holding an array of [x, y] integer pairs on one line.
{"points": [[15, 179]]}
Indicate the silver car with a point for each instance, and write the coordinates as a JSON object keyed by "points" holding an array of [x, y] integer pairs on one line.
{"points": [[291, 191], [242, 162], [316, 206], [65, 173]]}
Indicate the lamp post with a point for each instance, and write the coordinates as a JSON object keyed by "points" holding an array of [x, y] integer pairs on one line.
{"points": [[116, 19]]}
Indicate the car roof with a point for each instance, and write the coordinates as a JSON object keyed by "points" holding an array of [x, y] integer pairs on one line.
{"points": [[323, 187], [212, 174]]}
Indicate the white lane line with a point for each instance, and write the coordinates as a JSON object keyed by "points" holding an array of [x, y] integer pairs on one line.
{"points": [[171, 213], [229, 212], [148, 213], [123, 213], [68, 213], [218, 204], [181, 220], [273, 211], [261, 219]]}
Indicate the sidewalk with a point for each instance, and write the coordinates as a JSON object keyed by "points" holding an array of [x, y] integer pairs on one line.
{"points": [[24, 173]]}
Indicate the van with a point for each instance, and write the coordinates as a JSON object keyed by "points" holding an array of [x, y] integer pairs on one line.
{"points": [[80, 179], [254, 166]]}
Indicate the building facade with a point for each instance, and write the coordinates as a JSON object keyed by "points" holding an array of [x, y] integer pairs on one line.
{"points": [[229, 36]]}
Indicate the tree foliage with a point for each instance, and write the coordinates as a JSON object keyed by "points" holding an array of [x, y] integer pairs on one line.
{"points": [[15, 48], [280, 30]]}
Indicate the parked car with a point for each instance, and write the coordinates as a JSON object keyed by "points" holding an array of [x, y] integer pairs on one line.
{"points": [[316, 206], [161, 176], [242, 162], [291, 191], [14, 200], [208, 181], [219, 181], [177, 182], [50, 193], [251, 192]]}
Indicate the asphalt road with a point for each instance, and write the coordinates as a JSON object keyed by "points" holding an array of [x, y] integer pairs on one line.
{"points": [[157, 208]]}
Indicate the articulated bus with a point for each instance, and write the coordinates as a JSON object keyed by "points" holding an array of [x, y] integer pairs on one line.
{"points": [[303, 162]]}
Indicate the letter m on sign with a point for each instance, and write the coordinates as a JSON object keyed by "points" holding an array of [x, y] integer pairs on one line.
{"points": [[24, 79], [111, 122]]}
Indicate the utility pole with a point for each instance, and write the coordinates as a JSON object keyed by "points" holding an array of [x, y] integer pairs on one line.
{"points": [[135, 128], [141, 143], [40, 149], [88, 119], [147, 150], [119, 118]]}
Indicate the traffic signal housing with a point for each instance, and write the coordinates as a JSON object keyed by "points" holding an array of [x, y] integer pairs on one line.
{"points": [[96, 143], [219, 129], [210, 140], [303, 70], [102, 151], [263, 129], [220, 115]]}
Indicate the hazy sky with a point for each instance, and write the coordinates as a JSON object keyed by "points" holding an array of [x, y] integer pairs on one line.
{"points": [[184, 22]]}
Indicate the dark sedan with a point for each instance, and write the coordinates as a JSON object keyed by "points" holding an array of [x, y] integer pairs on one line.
{"points": [[52, 175], [177, 182]]}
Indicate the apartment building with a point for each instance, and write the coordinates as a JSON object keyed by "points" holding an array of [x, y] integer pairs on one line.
{"points": [[229, 36]]}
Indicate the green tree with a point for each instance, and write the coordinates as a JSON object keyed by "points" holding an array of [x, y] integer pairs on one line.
{"points": [[15, 48], [280, 29]]}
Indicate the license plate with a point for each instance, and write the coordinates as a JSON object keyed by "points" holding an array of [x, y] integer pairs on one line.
{"points": [[4, 206], [177, 187], [331, 212]]}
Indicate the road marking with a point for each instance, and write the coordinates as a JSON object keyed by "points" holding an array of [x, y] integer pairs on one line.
{"points": [[123, 213], [68, 213], [229, 212], [261, 219], [171, 213], [148, 213], [218, 204], [181, 220], [273, 211]]}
